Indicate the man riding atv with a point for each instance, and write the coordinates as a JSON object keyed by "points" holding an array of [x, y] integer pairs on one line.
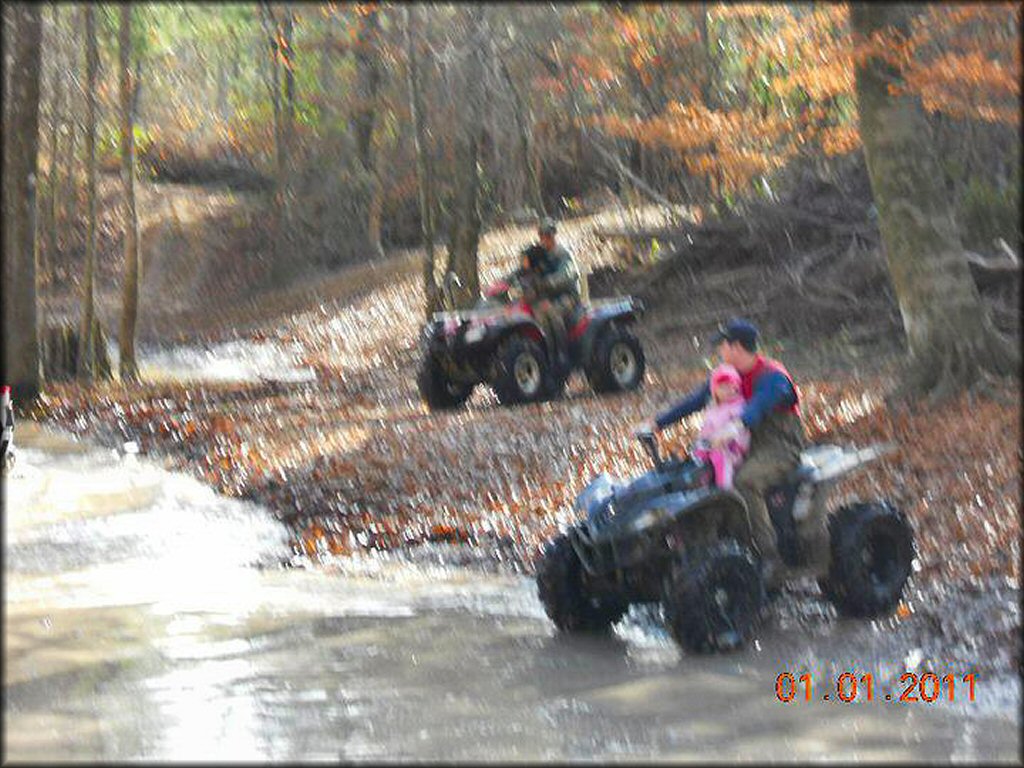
{"points": [[772, 414], [554, 290], [527, 333], [675, 537]]}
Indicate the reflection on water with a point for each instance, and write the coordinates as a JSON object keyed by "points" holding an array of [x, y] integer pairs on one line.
{"points": [[137, 627]]}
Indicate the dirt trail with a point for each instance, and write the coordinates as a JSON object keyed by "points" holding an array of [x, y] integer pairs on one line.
{"points": [[190, 237], [498, 253]]}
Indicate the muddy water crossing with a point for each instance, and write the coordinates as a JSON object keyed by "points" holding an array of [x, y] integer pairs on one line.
{"points": [[147, 618], [240, 360]]}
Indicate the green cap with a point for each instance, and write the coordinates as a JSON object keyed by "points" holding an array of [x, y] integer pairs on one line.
{"points": [[547, 226]]}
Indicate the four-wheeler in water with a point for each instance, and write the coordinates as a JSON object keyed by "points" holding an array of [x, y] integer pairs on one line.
{"points": [[501, 343], [671, 536]]}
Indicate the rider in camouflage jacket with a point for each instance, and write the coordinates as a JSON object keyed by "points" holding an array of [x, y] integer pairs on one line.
{"points": [[557, 289]]}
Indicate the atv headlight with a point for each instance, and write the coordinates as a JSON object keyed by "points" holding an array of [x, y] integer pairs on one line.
{"points": [[474, 334]]}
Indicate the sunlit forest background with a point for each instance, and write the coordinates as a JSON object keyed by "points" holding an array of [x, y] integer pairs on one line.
{"points": [[334, 113]]}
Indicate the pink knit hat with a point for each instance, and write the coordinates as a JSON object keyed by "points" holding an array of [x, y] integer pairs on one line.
{"points": [[725, 373]]}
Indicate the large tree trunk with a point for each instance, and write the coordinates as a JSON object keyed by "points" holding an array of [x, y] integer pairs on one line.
{"points": [[424, 171], [21, 144], [49, 223], [949, 333], [465, 225], [86, 338], [130, 297]]}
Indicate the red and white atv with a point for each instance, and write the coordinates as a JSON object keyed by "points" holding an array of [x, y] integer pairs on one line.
{"points": [[501, 343]]}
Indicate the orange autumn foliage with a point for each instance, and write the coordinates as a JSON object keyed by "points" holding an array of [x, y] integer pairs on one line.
{"points": [[798, 65]]}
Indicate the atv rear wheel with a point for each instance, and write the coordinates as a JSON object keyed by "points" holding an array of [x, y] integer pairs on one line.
{"points": [[560, 588], [617, 362], [713, 598], [521, 371], [437, 390], [872, 547]]}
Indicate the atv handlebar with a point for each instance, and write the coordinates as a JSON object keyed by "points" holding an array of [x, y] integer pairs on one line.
{"points": [[650, 444]]}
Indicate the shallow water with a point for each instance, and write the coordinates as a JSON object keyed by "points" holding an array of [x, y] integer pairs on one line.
{"points": [[147, 618], [241, 360]]}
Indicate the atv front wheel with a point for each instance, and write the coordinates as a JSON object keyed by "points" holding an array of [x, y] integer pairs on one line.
{"points": [[560, 588], [521, 371], [713, 598], [617, 363], [437, 390], [872, 547]]}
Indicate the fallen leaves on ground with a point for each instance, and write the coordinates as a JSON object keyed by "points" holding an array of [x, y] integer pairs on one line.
{"points": [[354, 461]]}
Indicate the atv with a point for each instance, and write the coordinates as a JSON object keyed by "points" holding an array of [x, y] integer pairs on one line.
{"points": [[500, 342], [672, 536]]}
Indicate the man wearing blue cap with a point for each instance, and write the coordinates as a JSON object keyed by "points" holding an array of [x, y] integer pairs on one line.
{"points": [[771, 413]]}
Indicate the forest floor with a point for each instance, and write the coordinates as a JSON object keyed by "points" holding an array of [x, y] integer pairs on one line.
{"points": [[358, 466]]}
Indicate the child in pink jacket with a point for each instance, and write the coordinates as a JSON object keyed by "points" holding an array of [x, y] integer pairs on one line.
{"points": [[723, 440]]}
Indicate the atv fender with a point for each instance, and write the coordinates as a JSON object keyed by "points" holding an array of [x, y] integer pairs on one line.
{"points": [[528, 327], [626, 312], [701, 515], [709, 512]]}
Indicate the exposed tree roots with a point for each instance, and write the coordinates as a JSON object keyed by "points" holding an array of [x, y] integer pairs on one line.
{"points": [[973, 364]]}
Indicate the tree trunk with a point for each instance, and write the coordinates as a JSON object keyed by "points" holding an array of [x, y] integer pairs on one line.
{"points": [[87, 339], [368, 75], [424, 171], [21, 144], [130, 297], [374, 217], [465, 226], [69, 200], [136, 89], [49, 222], [525, 142], [272, 30], [288, 58], [9, 30], [288, 124], [949, 333], [368, 83]]}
